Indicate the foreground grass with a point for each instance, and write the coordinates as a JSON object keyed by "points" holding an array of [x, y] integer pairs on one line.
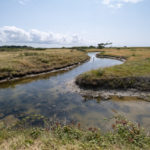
{"points": [[125, 135], [20, 62], [136, 66]]}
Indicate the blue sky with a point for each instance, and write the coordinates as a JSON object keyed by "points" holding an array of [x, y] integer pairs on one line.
{"points": [[75, 22]]}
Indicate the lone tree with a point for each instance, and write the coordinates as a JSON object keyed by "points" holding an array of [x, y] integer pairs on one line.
{"points": [[102, 45]]}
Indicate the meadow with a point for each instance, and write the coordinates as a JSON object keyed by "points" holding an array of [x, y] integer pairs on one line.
{"points": [[18, 62]]}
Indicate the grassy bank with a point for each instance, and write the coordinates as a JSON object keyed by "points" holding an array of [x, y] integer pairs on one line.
{"points": [[124, 135], [18, 62], [133, 73]]}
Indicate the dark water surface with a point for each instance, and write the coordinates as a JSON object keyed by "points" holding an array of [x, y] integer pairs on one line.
{"points": [[50, 95]]}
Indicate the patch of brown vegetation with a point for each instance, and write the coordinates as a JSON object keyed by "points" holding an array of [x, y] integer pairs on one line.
{"points": [[24, 62]]}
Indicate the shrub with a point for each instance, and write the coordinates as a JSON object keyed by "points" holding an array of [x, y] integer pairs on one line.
{"points": [[130, 133]]}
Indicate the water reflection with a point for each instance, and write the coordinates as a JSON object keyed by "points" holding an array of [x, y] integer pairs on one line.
{"points": [[50, 96]]}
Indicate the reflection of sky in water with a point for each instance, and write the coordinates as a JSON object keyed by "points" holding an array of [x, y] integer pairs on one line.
{"points": [[49, 95]]}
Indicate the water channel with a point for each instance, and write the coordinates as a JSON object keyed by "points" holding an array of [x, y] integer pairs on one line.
{"points": [[49, 95]]}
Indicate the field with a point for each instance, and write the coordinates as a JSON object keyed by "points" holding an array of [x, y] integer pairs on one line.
{"points": [[135, 69], [21, 62], [137, 64]]}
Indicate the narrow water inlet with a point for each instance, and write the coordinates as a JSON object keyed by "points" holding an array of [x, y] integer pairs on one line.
{"points": [[50, 96]]}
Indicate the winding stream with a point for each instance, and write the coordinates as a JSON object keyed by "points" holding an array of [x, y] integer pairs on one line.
{"points": [[50, 95]]}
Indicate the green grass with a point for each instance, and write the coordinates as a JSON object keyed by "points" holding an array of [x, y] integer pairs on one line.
{"points": [[137, 62], [24, 61], [137, 65], [124, 135]]}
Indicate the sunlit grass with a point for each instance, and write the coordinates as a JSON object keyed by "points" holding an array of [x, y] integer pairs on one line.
{"points": [[137, 63], [21, 62]]}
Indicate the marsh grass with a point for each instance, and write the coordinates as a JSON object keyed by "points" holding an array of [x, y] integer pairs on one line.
{"points": [[137, 63], [21, 62], [133, 73], [97, 73]]}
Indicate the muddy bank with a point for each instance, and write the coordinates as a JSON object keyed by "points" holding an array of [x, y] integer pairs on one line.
{"points": [[120, 94], [107, 94], [121, 58], [120, 83], [39, 72]]}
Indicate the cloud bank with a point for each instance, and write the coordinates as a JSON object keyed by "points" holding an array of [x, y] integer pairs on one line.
{"points": [[14, 35], [119, 3]]}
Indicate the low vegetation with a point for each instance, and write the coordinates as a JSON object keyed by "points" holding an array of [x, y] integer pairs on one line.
{"points": [[133, 73], [18, 48], [21, 61], [124, 135]]}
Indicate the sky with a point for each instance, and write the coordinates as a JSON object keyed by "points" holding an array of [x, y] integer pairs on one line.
{"points": [[57, 23]]}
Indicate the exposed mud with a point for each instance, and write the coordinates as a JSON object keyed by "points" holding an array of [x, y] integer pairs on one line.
{"points": [[121, 58], [106, 94]]}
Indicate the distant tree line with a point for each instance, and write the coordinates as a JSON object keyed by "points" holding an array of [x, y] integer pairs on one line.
{"points": [[80, 48], [16, 48], [99, 46]]}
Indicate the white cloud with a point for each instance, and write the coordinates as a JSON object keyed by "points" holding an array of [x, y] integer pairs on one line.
{"points": [[119, 3], [14, 35]]}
